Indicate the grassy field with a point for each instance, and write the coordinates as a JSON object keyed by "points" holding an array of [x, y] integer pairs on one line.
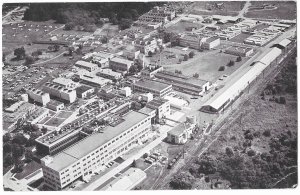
{"points": [[285, 10], [240, 38], [55, 122], [64, 114], [206, 64], [181, 26], [230, 8]]}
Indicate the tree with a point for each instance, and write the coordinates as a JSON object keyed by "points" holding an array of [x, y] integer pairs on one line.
{"points": [[125, 23], [134, 163], [230, 63], [150, 53], [19, 165], [19, 53], [7, 137], [8, 160], [267, 133], [207, 165], [191, 54], [182, 181], [69, 26], [56, 47], [29, 60], [238, 59], [7, 148], [19, 139], [185, 57], [196, 75], [17, 151], [251, 152], [3, 57], [104, 39], [29, 155], [229, 151], [133, 69], [222, 68]]}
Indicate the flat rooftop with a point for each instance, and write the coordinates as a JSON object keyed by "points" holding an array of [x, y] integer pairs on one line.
{"points": [[180, 78], [94, 141], [82, 89], [157, 102], [151, 84]]}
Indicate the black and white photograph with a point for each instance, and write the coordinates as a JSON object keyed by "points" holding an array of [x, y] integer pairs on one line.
{"points": [[149, 96]]}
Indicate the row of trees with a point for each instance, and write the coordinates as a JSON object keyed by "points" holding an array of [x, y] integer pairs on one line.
{"points": [[85, 14], [17, 149]]}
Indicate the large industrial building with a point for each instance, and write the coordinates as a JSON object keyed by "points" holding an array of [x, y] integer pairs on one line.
{"points": [[233, 89], [60, 92], [95, 151], [183, 83], [156, 88], [196, 41], [38, 96], [120, 64]]}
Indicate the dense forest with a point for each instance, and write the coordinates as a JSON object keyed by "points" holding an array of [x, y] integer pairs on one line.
{"points": [[88, 13]]}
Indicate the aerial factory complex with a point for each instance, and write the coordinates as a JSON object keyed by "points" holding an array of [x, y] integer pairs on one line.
{"points": [[143, 95]]}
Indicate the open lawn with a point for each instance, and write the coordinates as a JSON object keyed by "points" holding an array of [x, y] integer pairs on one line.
{"points": [[209, 8], [64, 114], [206, 64], [285, 10], [55, 122], [182, 26], [240, 38]]}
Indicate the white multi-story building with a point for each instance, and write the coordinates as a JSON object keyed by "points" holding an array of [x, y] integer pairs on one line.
{"points": [[64, 82], [109, 74], [86, 65], [60, 92], [94, 152], [38, 96]]}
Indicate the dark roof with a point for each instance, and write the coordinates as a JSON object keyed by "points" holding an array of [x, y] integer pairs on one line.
{"points": [[82, 89]]}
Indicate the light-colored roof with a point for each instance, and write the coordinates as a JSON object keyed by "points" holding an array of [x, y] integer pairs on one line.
{"points": [[284, 42], [127, 181], [179, 129], [233, 88], [62, 81], [121, 61], [150, 84], [86, 64], [94, 141], [270, 56]]}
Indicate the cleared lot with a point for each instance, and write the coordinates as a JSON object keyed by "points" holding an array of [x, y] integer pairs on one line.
{"points": [[283, 10], [206, 64]]}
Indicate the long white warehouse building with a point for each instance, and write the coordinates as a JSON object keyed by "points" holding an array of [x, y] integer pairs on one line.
{"points": [[229, 93]]}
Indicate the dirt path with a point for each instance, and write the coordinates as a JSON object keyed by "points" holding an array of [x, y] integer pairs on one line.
{"points": [[244, 10]]}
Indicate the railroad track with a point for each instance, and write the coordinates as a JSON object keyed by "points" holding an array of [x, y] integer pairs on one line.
{"points": [[268, 77]]}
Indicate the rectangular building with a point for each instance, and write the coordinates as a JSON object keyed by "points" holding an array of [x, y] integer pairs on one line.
{"points": [[161, 106], [95, 151], [83, 91], [109, 74], [38, 95], [239, 51], [156, 88], [86, 65], [66, 83], [183, 83], [55, 105], [60, 92], [120, 64]]}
